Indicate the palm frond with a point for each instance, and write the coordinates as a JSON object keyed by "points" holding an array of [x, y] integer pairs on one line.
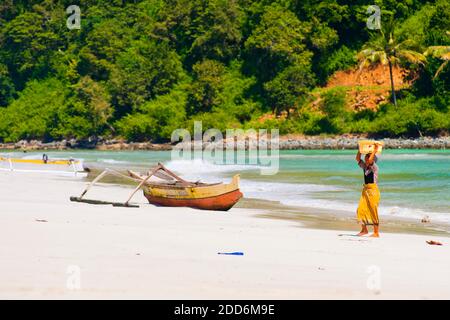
{"points": [[394, 60], [439, 70], [369, 57], [440, 52], [407, 44], [412, 56]]}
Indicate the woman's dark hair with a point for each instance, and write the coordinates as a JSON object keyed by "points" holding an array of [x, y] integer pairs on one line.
{"points": [[375, 159]]}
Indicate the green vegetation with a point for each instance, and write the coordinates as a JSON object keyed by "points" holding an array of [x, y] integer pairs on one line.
{"points": [[140, 69]]}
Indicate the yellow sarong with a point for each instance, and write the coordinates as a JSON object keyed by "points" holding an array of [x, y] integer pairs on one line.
{"points": [[367, 212]]}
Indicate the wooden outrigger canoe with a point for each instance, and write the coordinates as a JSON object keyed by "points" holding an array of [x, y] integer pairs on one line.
{"points": [[172, 191], [181, 193], [56, 166]]}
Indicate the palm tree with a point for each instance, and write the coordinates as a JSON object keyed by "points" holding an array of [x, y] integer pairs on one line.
{"points": [[440, 52], [386, 49]]}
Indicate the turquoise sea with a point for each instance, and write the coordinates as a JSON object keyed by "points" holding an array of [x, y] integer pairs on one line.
{"points": [[413, 183]]}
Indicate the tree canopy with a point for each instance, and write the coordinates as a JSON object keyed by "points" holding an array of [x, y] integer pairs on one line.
{"points": [[140, 69]]}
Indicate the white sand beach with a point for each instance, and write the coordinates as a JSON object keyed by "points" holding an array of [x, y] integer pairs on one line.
{"points": [[46, 241]]}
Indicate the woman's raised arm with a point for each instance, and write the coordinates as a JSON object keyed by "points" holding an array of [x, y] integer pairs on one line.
{"points": [[372, 155]]}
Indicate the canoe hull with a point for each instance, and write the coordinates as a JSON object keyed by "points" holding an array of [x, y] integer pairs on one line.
{"points": [[208, 197], [223, 202]]}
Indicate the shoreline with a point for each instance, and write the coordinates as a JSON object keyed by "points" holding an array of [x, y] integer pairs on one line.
{"points": [[318, 218], [286, 142], [322, 219]]}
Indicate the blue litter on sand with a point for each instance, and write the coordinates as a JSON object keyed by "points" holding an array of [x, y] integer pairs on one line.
{"points": [[232, 253]]}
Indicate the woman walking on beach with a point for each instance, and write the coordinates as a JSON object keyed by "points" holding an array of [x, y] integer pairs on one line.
{"points": [[367, 212]]}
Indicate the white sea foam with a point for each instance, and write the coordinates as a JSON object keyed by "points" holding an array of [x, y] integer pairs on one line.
{"points": [[205, 169], [112, 161]]}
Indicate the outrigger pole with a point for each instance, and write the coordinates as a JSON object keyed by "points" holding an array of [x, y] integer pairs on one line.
{"points": [[114, 173]]}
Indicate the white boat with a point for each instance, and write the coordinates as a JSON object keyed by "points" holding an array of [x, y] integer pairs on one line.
{"points": [[66, 167]]}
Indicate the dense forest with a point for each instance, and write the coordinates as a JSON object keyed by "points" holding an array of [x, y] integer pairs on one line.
{"points": [[139, 69]]}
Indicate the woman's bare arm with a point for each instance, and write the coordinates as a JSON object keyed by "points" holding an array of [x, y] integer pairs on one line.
{"points": [[372, 155], [358, 157]]}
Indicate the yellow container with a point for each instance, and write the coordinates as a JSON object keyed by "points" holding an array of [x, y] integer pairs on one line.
{"points": [[368, 146]]}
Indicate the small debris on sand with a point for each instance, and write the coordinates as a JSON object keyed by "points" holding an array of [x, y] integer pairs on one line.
{"points": [[41, 220], [434, 243], [426, 219]]}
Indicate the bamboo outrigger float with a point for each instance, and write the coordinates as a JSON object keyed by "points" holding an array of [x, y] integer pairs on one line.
{"points": [[173, 191]]}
